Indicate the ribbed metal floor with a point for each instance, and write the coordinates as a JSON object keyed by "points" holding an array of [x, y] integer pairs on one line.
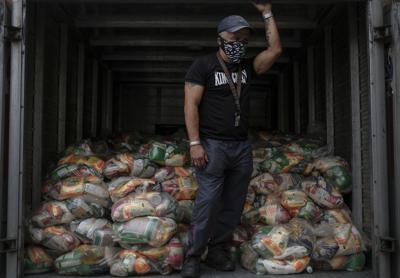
{"points": [[240, 273]]}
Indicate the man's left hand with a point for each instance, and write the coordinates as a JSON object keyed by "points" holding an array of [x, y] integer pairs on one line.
{"points": [[263, 6]]}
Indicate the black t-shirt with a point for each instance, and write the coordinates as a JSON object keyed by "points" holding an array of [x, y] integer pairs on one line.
{"points": [[217, 107]]}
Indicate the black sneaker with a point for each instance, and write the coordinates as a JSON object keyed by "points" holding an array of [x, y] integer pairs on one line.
{"points": [[191, 268], [218, 258]]}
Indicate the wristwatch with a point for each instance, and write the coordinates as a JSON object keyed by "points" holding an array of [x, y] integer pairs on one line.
{"points": [[267, 15]]}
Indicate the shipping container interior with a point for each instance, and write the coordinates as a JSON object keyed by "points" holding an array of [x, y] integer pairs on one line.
{"points": [[97, 67]]}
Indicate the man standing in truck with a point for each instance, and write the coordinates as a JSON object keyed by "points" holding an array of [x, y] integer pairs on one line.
{"points": [[216, 116]]}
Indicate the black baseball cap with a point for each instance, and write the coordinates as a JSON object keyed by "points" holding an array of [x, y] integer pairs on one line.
{"points": [[233, 23]]}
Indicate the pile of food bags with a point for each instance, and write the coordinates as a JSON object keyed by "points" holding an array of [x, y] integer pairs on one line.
{"points": [[123, 206], [114, 207], [295, 213]]}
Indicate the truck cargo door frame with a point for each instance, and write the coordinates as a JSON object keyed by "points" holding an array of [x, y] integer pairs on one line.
{"points": [[379, 183], [395, 21], [15, 202]]}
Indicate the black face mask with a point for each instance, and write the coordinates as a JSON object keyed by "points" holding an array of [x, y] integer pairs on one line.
{"points": [[235, 50]]}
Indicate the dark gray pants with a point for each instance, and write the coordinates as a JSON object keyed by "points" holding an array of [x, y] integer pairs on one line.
{"points": [[221, 195]]}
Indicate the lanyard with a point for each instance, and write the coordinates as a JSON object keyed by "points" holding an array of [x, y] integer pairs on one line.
{"points": [[236, 90]]}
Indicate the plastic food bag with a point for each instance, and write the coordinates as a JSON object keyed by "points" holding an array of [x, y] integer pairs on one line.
{"points": [[80, 148], [93, 190], [143, 168], [301, 239], [85, 229], [56, 238], [323, 193], [73, 170], [355, 262], [86, 260], [335, 170], [264, 184], [265, 266], [130, 263], [272, 212], [250, 215], [306, 147], [36, 260], [119, 165], [281, 162], [337, 216], [287, 181], [52, 213], [125, 187], [91, 161], [239, 235], [103, 237], [164, 174], [167, 154], [349, 240], [325, 249], [82, 209], [248, 257], [299, 205], [144, 204], [182, 188], [155, 231], [167, 257], [185, 210], [271, 241]]}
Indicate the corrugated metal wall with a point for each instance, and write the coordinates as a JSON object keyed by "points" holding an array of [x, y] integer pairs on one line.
{"points": [[365, 121]]}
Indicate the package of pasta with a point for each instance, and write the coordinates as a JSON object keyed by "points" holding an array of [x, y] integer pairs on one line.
{"points": [[184, 212], [86, 260], [131, 263], [322, 192], [56, 238], [270, 241], [264, 184], [82, 209], [119, 165], [271, 266], [182, 188], [91, 161], [52, 213], [123, 187], [335, 170], [355, 262], [167, 154], [272, 212], [159, 204], [297, 203], [92, 189], [36, 260], [85, 229], [154, 231]]}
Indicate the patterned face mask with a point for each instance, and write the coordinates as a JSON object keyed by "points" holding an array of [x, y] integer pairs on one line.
{"points": [[235, 50]]}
